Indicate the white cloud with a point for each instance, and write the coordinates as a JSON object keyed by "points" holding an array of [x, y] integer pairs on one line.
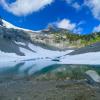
{"points": [[73, 4], [25, 7], [96, 29], [76, 6], [66, 24], [69, 1], [78, 30], [94, 6], [81, 23]]}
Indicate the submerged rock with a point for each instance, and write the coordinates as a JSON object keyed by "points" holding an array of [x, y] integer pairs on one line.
{"points": [[92, 77]]}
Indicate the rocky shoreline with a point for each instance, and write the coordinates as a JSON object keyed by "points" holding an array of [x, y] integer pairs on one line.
{"points": [[30, 89]]}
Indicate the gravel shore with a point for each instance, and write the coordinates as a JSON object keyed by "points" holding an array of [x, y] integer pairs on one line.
{"points": [[48, 90]]}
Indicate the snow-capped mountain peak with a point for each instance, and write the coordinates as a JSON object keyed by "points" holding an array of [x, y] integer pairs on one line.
{"points": [[6, 24]]}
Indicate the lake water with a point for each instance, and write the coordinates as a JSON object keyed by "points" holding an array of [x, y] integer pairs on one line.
{"points": [[16, 70]]}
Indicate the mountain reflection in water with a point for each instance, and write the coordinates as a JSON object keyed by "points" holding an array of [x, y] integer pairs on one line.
{"points": [[31, 67]]}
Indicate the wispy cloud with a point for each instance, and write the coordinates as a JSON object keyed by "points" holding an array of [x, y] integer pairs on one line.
{"points": [[25, 7], [74, 4], [94, 6], [97, 28]]}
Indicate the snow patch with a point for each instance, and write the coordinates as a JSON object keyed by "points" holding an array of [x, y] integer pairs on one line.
{"points": [[40, 53], [20, 43], [91, 58]]}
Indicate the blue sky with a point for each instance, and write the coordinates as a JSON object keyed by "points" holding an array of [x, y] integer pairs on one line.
{"points": [[80, 16]]}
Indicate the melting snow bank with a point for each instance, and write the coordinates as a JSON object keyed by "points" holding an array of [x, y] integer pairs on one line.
{"points": [[33, 52], [6, 57], [39, 53], [91, 58]]}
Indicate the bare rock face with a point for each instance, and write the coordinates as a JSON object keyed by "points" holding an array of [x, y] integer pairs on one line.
{"points": [[92, 77]]}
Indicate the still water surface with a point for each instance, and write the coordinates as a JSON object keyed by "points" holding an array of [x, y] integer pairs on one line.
{"points": [[11, 70]]}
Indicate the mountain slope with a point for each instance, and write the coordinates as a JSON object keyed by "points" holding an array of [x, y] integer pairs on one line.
{"points": [[16, 45], [54, 37], [16, 51], [90, 48]]}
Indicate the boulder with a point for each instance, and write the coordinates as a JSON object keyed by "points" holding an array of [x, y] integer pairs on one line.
{"points": [[92, 77]]}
